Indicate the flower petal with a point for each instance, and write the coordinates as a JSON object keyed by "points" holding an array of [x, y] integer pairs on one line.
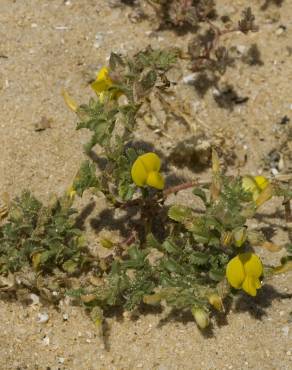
{"points": [[151, 161], [261, 181], [103, 74], [99, 86], [252, 264], [145, 170], [249, 286], [155, 180], [139, 173], [235, 272], [249, 184]]}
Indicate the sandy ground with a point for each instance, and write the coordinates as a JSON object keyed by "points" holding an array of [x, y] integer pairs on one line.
{"points": [[48, 45]]}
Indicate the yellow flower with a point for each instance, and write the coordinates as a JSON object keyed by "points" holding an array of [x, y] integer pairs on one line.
{"points": [[145, 171], [244, 271], [255, 184], [102, 85]]}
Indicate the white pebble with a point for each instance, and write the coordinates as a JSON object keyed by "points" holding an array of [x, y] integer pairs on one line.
{"points": [[35, 299], [189, 79], [46, 341], [98, 40], [43, 318]]}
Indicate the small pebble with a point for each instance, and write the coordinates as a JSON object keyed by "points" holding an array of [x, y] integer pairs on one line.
{"points": [[35, 299], [274, 171], [61, 360], [189, 79], [98, 40], [46, 341], [281, 29], [42, 318]]}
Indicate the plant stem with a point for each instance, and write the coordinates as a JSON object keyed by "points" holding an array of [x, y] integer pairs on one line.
{"points": [[177, 188]]}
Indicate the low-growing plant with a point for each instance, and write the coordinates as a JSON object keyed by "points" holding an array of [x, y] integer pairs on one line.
{"points": [[175, 255]]}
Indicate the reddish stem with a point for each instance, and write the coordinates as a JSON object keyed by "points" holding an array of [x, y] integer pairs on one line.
{"points": [[177, 188]]}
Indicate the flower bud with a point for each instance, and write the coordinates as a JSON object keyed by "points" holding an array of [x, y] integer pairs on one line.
{"points": [[216, 302], [226, 238], [239, 236], [201, 317]]}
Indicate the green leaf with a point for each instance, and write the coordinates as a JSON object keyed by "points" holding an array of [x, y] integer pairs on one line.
{"points": [[170, 247], [152, 242], [179, 213], [217, 274], [171, 265], [199, 258]]}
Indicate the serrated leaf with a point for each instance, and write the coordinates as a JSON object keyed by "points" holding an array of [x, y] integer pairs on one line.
{"points": [[199, 258]]}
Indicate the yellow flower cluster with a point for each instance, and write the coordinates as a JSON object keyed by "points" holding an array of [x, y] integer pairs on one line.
{"points": [[244, 271], [145, 171], [103, 84]]}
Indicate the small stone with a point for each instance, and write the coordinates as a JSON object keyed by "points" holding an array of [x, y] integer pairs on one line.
{"points": [[280, 30], [61, 360], [189, 79], [42, 318], [43, 124], [65, 316], [98, 40], [35, 299]]}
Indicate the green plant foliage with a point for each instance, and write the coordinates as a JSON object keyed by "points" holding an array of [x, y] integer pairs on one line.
{"points": [[175, 255], [43, 237], [86, 178]]}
